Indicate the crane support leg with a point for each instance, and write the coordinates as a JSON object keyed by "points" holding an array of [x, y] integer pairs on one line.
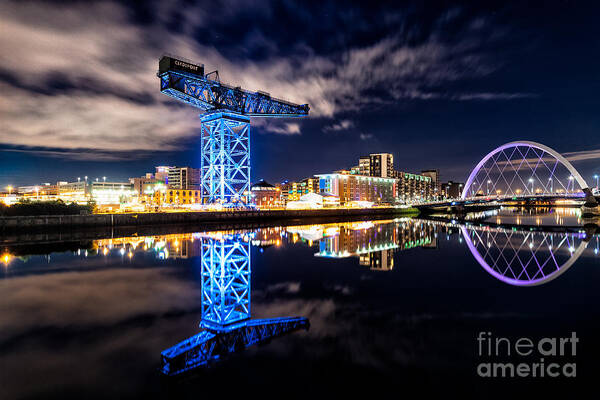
{"points": [[225, 282], [225, 158]]}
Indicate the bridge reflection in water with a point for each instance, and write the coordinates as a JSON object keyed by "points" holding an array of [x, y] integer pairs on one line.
{"points": [[524, 257]]}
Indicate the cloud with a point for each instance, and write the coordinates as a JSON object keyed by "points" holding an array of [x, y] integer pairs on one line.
{"points": [[82, 154], [83, 79], [582, 155], [284, 287], [366, 136], [494, 96], [285, 128], [343, 125]]}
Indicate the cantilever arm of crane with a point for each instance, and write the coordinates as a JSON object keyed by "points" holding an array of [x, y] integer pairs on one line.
{"points": [[212, 95]]}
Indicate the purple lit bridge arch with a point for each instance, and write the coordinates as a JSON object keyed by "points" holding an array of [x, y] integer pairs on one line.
{"points": [[521, 257], [525, 169]]}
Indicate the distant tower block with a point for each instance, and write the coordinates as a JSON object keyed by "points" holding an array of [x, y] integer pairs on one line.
{"points": [[225, 282], [225, 160]]}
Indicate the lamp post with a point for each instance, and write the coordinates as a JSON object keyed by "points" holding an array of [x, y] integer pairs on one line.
{"points": [[596, 178], [551, 185], [104, 178], [10, 188], [531, 181], [488, 186]]}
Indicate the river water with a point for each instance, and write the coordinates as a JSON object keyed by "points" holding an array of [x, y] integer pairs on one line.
{"points": [[315, 310]]}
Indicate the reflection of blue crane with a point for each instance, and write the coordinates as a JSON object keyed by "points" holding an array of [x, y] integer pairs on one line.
{"points": [[225, 131], [225, 309]]}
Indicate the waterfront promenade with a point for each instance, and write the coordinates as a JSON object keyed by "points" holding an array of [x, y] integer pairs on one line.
{"points": [[161, 218]]}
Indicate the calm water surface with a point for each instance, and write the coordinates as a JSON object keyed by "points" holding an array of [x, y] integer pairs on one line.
{"points": [[392, 306]]}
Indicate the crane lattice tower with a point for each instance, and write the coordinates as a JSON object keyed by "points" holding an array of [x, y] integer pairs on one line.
{"points": [[225, 125]]}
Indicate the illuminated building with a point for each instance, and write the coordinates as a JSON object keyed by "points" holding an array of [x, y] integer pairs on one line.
{"points": [[177, 196], [83, 190], [357, 188], [104, 193], [79, 187], [183, 178], [376, 164], [409, 187], [28, 190], [162, 173], [414, 187], [364, 166], [434, 174], [145, 184], [310, 185], [381, 165], [292, 191], [265, 195], [452, 189], [77, 192], [145, 187]]}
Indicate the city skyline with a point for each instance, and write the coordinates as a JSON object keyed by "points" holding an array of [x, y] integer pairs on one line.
{"points": [[233, 198], [437, 86]]}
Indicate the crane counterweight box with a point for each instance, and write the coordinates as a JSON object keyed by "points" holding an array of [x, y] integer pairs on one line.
{"points": [[167, 63]]}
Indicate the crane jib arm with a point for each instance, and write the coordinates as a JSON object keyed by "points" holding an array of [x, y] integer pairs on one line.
{"points": [[186, 82]]}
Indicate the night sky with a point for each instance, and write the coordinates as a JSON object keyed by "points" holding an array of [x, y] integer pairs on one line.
{"points": [[438, 84]]}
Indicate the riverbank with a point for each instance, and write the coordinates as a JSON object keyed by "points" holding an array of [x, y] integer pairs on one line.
{"points": [[200, 217]]}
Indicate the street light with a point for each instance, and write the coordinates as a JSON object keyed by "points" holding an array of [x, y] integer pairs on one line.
{"points": [[551, 184], [571, 180], [488, 186], [531, 181], [104, 178], [10, 188], [596, 178]]}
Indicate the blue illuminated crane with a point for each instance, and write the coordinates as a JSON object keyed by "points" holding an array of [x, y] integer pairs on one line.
{"points": [[226, 319], [225, 128]]}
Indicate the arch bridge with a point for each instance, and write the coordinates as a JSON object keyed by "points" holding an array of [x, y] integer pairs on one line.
{"points": [[521, 170]]}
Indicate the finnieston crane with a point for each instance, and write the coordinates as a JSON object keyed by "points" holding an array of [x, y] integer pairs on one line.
{"points": [[225, 126]]}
